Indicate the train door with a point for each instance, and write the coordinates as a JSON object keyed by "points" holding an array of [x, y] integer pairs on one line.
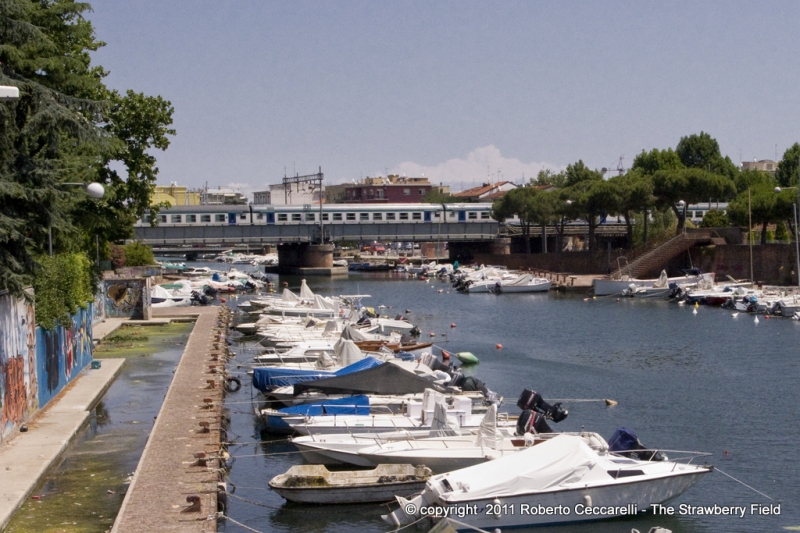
{"points": [[462, 216], [270, 218], [427, 216], [231, 219]]}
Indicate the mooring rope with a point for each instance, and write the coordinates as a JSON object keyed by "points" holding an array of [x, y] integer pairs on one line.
{"points": [[743, 483]]}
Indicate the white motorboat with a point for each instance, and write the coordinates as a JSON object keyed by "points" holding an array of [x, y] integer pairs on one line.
{"points": [[558, 481], [607, 287], [524, 283], [316, 484]]}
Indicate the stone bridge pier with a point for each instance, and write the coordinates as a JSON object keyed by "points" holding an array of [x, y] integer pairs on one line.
{"points": [[307, 259]]}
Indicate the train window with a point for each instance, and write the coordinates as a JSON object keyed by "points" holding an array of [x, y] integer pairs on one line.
{"points": [[175, 219], [191, 218], [363, 216], [146, 219], [219, 218], [296, 217], [163, 218], [351, 216], [260, 216], [377, 216], [282, 217], [698, 214], [310, 217], [337, 216], [452, 214], [416, 216], [389, 216], [242, 216], [437, 214], [325, 216], [472, 215], [403, 216], [485, 215], [205, 218]]}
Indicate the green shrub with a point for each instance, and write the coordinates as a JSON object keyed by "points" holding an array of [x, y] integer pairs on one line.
{"points": [[117, 256], [138, 254], [62, 285]]}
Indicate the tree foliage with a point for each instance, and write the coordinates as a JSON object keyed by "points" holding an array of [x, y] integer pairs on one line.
{"points": [[702, 151], [715, 218], [690, 185], [761, 204], [66, 127], [787, 172], [62, 286], [529, 204]]}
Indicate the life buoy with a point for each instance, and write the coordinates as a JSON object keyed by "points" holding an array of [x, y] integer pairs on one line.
{"points": [[232, 384]]}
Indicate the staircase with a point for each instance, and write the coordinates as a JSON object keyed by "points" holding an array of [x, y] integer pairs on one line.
{"points": [[659, 256]]}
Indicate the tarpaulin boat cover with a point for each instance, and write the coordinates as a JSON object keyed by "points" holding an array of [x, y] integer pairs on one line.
{"points": [[443, 425], [288, 296], [624, 440], [383, 379], [558, 462], [352, 405], [347, 352], [305, 292], [488, 434], [267, 378], [320, 302], [352, 334]]}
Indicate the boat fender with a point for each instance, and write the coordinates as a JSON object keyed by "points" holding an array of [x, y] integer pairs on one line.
{"points": [[232, 384]]}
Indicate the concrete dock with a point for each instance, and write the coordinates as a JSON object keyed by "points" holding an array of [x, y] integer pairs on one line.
{"points": [[175, 485]]}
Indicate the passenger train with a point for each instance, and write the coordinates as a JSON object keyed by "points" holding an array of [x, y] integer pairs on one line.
{"points": [[231, 215]]}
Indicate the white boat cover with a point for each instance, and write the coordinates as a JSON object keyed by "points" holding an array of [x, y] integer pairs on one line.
{"points": [[320, 302], [288, 296], [560, 461], [305, 292], [522, 280], [347, 352], [488, 434], [662, 281], [443, 425], [353, 334], [331, 326], [160, 292]]}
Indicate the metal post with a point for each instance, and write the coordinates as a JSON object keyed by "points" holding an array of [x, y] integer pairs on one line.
{"points": [[50, 239], [750, 233], [796, 243]]}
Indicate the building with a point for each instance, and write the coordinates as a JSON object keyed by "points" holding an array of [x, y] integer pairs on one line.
{"points": [[765, 165], [391, 189], [221, 196], [175, 194], [262, 198], [295, 194], [485, 193]]}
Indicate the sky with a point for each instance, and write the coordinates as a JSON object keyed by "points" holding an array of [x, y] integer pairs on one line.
{"points": [[462, 92]]}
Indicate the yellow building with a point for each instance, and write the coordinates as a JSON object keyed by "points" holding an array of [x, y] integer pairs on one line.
{"points": [[175, 194]]}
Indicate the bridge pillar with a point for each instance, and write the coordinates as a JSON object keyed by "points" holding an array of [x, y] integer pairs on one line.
{"points": [[501, 246], [307, 259]]}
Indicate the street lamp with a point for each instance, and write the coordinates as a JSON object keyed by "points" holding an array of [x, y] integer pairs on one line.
{"points": [[93, 190], [796, 243], [682, 205]]}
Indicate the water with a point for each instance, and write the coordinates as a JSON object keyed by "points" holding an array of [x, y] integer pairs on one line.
{"points": [[706, 382]]}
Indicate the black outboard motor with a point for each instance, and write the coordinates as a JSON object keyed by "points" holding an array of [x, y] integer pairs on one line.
{"points": [[210, 291], [533, 400], [531, 422], [199, 298], [625, 442], [415, 331]]}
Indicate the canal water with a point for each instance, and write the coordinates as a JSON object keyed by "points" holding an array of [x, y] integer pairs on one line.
{"points": [[706, 382]]}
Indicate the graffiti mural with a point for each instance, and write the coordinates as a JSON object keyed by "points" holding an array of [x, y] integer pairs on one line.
{"points": [[125, 298], [18, 382], [99, 306], [62, 353]]}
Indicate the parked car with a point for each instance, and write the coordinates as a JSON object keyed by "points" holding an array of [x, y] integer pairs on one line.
{"points": [[378, 248]]}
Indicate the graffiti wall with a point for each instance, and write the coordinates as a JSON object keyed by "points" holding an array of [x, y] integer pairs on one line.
{"points": [[99, 306], [127, 298], [18, 381], [62, 353]]}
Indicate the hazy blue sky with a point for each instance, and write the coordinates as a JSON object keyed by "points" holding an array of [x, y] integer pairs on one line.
{"points": [[460, 91]]}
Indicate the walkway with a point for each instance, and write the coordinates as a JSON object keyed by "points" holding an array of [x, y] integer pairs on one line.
{"points": [[175, 487]]}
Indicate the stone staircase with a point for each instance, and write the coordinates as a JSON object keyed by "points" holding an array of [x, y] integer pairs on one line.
{"points": [[659, 256]]}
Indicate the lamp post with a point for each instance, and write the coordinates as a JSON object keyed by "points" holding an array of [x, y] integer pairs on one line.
{"points": [[93, 190], [796, 243], [682, 205]]}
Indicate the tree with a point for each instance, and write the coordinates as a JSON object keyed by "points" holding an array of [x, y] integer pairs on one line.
{"points": [[634, 193], [654, 160], [750, 178], [690, 185], [589, 200], [702, 151], [762, 204], [547, 176], [715, 218], [66, 127], [529, 205], [787, 171], [579, 173]]}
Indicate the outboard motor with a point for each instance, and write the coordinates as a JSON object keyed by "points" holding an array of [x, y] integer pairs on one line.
{"points": [[626, 443], [210, 291], [415, 331], [199, 298], [533, 400], [531, 422]]}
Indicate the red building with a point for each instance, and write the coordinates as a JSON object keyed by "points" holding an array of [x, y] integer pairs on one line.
{"points": [[389, 190]]}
